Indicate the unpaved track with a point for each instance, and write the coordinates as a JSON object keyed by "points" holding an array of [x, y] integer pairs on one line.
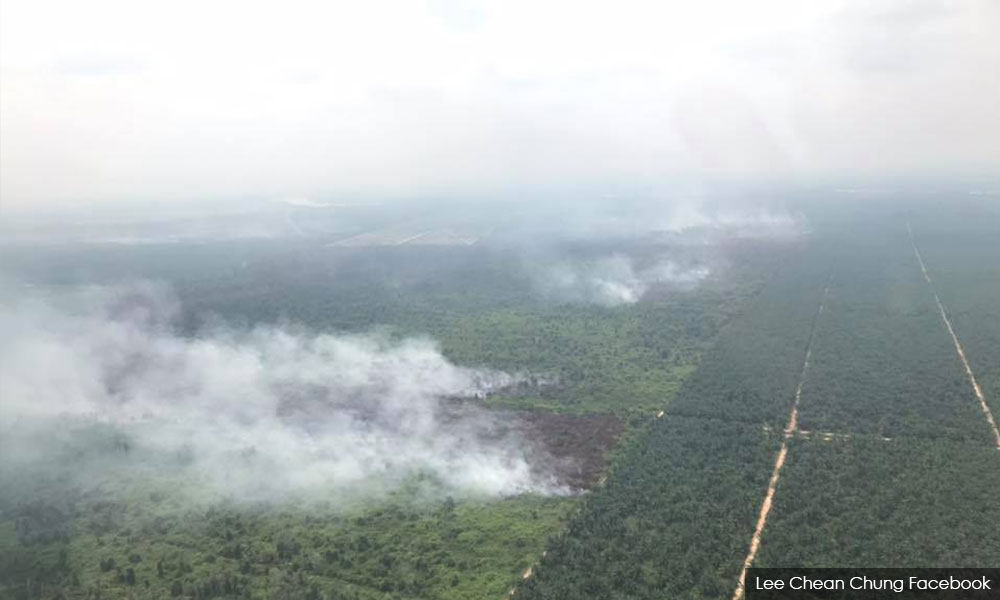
{"points": [[828, 436], [412, 237], [958, 347], [772, 486]]}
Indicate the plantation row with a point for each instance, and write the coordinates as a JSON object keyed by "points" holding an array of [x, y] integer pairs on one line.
{"points": [[148, 541], [964, 264], [883, 362], [865, 502], [673, 521], [680, 506], [678, 513], [751, 372]]}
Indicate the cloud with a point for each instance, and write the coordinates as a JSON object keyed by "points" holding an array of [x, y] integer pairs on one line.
{"points": [[265, 414]]}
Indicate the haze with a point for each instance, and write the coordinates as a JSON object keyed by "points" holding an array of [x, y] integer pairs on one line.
{"points": [[114, 101]]}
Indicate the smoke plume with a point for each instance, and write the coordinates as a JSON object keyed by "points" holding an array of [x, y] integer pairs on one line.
{"points": [[100, 379], [613, 280]]}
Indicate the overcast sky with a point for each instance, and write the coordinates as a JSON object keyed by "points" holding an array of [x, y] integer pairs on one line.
{"points": [[127, 100]]}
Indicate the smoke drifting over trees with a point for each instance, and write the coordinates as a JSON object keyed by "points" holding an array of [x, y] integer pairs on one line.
{"points": [[256, 415], [682, 239], [613, 280]]}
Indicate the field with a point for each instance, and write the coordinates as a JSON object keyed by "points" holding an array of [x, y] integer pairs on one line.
{"points": [[960, 254], [680, 506], [865, 502], [485, 300], [805, 405], [608, 369], [673, 519], [911, 478], [888, 459], [143, 548], [883, 362]]}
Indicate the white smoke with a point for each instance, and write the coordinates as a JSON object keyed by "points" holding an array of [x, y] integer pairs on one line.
{"points": [[258, 414], [689, 237], [760, 221], [613, 280]]}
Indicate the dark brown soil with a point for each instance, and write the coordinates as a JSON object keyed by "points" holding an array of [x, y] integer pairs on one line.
{"points": [[579, 444], [571, 448]]}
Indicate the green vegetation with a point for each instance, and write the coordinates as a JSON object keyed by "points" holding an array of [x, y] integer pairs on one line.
{"points": [[676, 514], [883, 362], [866, 502], [479, 308], [673, 520], [397, 549], [960, 252], [753, 369], [145, 543], [479, 304], [681, 502]]}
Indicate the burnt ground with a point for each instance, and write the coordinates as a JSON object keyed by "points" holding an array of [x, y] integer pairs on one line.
{"points": [[571, 447], [579, 444]]}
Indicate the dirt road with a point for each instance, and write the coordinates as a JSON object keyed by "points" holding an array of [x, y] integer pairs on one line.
{"points": [[772, 486], [958, 347]]}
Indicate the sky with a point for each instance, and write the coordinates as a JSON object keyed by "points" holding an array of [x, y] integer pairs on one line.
{"points": [[125, 101]]}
